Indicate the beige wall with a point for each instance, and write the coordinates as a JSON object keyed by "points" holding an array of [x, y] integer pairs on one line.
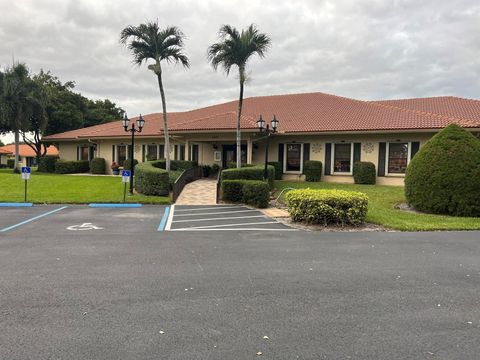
{"points": [[206, 142]]}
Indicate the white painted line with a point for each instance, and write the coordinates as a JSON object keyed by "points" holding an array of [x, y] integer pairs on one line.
{"points": [[212, 208], [225, 218], [170, 217], [219, 212], [239, 229], [227, 225]]}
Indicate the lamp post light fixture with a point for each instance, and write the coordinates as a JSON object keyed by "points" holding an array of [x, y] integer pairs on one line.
{"points": [[140, 123], [266, 130]]}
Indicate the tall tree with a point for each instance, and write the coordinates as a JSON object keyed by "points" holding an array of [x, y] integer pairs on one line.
{"points": [[236, 48], [148, 42], [16, 105]]}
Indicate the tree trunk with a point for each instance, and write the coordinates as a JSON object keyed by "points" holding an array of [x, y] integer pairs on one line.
{"points": [[17, 151], [239, 115], [165, 123]]}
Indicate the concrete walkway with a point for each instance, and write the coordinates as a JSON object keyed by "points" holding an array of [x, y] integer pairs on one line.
{"points": [[199, 192]]}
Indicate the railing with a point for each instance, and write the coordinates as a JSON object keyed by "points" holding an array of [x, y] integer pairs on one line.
{"points": [[219, 176], [185, 177]]}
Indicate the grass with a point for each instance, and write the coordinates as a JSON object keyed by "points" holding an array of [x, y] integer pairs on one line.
{"points": [[381, 210], [71, 189]]}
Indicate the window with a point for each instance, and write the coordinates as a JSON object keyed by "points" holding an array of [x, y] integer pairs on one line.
{"points": [[83, 152], [194, 152], [179, 152], [122, 154], [397, 159], [293, 158], [342, 158], [152, 152]]}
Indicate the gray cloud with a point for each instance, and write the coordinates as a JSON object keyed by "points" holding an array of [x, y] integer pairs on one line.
{"points": [[362, 49]]}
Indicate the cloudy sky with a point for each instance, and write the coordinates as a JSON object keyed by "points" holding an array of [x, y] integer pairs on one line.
{"points": [[365, 49]]}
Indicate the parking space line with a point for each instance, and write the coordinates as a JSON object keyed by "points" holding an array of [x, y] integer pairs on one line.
{"points": [[32, 219], [236, 229], [224, 218], [218, 212], [170, 218], [162, 224], [228, 225], [211, 208]]}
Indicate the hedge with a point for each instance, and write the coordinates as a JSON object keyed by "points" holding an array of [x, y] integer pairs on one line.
{"points": [[10, 163], [312, 170], [47, 164], [127, 164], [176, 164], [250, 192], [444, 176], [150, 179], [206, 170], [250, 173], [327, 206], [71, 167], [278, 169], [215, 169], [97, 166], [364, 172]]}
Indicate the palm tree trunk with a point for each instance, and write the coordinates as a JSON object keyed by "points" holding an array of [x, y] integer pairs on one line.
{"points": [[239, 115], [165, 123], [17, 151]]}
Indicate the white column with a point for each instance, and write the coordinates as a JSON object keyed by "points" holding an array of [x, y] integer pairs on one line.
{"points": [[187, 150], [249, 151]]}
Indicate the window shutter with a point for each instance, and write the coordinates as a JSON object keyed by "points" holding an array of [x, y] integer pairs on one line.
{"points": [[280, 152], [194, 154], [328, 158], [78, 152], [306, 154], [382, 149], [357, 152], [113, 153], [414, 149], [162, 152]]}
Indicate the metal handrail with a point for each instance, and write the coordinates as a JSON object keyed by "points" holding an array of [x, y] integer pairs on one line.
{"points": [[218, 186], [185, 177], [281, 192]]}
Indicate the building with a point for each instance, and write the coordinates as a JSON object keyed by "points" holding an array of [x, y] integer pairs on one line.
{"points": [[28, 157], [335, 130]]}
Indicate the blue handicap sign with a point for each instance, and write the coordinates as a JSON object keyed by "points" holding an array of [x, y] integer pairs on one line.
{"points": [[126, 173], [26, 169]]}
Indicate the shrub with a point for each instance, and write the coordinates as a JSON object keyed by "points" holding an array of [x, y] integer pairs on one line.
{"points": [[71, 167], [249, 173], [150, 179], [10, 163], [312, 170], [97, 166], [327, 206], [206, 170], [364, 172], [127, 164], [232, 190], [176, 164], [47, 164], [278, 169], [443, 177], [215, 169], [256, 193]]}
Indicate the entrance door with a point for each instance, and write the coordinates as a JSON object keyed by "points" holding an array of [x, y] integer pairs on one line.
{"points": [[229, 155]]}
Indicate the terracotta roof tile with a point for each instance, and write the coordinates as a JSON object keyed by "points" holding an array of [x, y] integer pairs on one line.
{"points": [[27, 151]]}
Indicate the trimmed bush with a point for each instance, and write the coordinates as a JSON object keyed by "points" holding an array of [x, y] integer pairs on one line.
{"points": [[215, 169], [232, 190], [249, 173], [47, 164], [71, 167], [444, 176], [364, 172], [10, 163], [177, 164], [278, 169], [312, 170], [206, 170], [127, 164], [150, 179], [256, 193], [327, 206], [97, 166]]}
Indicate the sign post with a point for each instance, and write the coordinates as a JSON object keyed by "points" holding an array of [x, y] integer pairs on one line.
{"points": [[25, 177], [126, 174]]}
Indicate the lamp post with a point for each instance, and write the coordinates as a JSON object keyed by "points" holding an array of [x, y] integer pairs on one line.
{"points": [[265, 129], [140, 122]]}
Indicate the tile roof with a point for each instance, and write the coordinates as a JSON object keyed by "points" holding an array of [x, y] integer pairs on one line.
{"points": [[26, 150], [4, 152], [310, 112]]}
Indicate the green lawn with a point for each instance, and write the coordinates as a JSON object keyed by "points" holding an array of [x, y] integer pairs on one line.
{"points": [[381, 211], [73, 189]]}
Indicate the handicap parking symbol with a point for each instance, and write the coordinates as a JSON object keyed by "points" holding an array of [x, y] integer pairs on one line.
{"points": [[83, 227]]}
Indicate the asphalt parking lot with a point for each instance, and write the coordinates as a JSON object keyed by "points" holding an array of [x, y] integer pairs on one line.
{"points": [[116, 285]]}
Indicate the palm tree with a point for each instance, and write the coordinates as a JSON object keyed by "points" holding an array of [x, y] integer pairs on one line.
{"points": [[235, 48], [16, 103], [149, 42]]}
